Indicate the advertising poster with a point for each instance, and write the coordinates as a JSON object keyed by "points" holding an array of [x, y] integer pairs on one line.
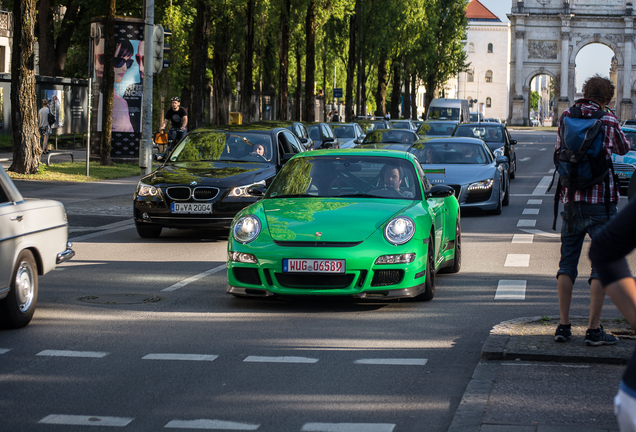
{"points": [[128, 85]]}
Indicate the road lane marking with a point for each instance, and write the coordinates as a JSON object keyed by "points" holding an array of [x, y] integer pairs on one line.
{"points": [[541, 233], [525, 159], [210, 424], [4, 350], [517, 260], [173, 356], [393, 361], [65, 353], [511, 290], [526, 223], [530, 211], [102, 232], [348, 427], [535, 202], [542, 187], [78, 420], [551, 171], [194, 278], [522, 238], [282, 359]]}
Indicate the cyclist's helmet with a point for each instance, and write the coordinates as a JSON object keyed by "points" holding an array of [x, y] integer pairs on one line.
{"points": [[176, 98]]}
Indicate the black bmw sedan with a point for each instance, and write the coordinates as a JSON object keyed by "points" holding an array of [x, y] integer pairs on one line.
{"points": [[210, 176]]}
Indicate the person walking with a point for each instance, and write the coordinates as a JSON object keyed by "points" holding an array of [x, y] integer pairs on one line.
{"points": [[43, 125], [590, 211], [608, 251]]}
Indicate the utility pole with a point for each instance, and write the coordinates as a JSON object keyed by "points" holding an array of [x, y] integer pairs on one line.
{"points": [[145, 144]]}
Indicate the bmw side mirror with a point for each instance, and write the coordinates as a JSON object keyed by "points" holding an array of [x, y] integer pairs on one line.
{"points": [[501, 160], [288, 156], [440, 191]]}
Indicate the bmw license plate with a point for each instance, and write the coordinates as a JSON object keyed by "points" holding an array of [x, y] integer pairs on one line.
{"points": [[190, 208], [313, 266]]}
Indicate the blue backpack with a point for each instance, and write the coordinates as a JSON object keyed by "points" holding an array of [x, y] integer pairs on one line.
{"points": [[581, 161]]}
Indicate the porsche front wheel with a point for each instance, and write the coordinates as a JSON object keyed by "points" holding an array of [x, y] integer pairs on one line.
{"points": [[429, 283]]}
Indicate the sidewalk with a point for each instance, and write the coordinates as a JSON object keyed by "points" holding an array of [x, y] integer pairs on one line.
{"points": [[527, 382]]}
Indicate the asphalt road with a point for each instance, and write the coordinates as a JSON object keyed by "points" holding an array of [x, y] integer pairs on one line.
{"points": [[139, 333]]}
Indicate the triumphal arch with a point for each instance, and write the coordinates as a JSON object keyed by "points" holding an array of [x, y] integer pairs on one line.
{"points": [[548, 34]]}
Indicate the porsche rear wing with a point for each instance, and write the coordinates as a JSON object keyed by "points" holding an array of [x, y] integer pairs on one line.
{"points": [[435, 171]]}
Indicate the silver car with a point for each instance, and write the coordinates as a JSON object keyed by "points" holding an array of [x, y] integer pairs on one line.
{"points": [[33, 240]]}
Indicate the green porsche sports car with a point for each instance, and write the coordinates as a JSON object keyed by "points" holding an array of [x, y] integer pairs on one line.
{"points": [[358, 223]]}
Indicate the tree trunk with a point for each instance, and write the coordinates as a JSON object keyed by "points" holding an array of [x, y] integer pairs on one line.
{"points": [[380, 95], [24, 122], [310, 63], [53, 50], [397, 84], [283, 74], [248, 69], [324, 79], [299, 94], [431, 92], [351, 67], [109, 85], [221, 85], [199, 66], [414, 96], [406, 101]]}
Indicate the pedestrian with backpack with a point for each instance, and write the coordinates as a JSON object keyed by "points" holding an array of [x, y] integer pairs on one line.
{"points": [[586, 138]]}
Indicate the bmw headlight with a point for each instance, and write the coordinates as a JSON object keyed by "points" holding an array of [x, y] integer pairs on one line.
{"points": [[399, 230], [481, 185], [499, 151], [242, 191], [144, 190], [246, 229]]}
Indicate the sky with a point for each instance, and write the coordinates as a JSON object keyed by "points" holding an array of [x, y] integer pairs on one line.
{"points": [[594, 58]]}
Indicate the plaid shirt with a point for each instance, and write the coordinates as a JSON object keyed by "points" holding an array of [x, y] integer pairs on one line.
{"points": [[614, 141]]}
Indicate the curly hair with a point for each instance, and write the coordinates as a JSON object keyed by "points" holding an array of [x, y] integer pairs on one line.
{"points": [[598, 89]]}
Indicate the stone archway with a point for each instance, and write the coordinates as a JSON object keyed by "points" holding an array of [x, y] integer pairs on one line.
{"points": [[528, 81], [549, 34]]}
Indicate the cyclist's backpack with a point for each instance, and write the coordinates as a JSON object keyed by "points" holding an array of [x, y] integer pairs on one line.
{"points": [[581, 161]]}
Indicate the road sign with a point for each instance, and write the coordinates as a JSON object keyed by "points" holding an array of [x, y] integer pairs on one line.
{"points": [[337, 93]]}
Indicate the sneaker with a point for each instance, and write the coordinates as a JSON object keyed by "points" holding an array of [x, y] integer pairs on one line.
{"points": [[599, 337], [563, 332]]}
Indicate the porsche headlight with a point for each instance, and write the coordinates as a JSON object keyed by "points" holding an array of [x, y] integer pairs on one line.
{"points": [[246, 229], [481, 185], [144, 190], [499, 151], [241, 191], [399, 230]]}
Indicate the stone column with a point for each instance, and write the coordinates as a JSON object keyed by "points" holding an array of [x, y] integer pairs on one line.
{"points": [[565, 54], [519, 34], [627, 69]]}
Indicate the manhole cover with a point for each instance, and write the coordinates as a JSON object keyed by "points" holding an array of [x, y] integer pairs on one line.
{"points": [[115, 299]]}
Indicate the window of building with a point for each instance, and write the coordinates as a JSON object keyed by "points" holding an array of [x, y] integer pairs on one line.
{"points": [[471, 47], [488, 102], [489, 76], [470, 75], [490, 48]]}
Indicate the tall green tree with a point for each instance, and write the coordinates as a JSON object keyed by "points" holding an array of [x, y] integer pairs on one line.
{"points": [[199, 65]]}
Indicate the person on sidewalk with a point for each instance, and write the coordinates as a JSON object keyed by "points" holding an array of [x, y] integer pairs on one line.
{"points": [[589, 215], [609, 248], [43, 125]]}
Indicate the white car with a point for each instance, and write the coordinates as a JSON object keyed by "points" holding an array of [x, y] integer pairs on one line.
{"points": [[33, 240]]}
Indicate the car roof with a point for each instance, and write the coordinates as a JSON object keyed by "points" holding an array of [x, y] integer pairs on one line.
{"points": [[357, 152], [458, 140], [483, 123], [238, 128]]}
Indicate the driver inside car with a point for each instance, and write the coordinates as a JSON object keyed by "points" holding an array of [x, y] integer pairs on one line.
{"points": [[392, 177], [260, 151]]}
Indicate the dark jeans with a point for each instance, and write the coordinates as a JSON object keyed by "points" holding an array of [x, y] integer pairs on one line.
{"points": [[175, 135], [588, 219]]}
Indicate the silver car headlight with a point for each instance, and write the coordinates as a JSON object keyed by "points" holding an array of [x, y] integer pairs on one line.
{"points": [[499, 152], [481, 185], [399, 230], [146, 190], [246, 229], [241, 191]]}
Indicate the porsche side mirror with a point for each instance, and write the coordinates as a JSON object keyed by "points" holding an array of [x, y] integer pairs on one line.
{"points": [[440, 191]]}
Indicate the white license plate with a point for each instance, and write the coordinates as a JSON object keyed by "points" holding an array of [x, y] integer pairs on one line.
{"points": [[190, 208], [313, 266]]}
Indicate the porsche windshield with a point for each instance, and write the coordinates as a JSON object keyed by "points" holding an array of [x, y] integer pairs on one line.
{"points": [[223, 146], [347, 176]]}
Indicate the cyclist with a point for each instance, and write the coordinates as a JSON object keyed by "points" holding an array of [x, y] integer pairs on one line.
{"points": [[179, 118]]}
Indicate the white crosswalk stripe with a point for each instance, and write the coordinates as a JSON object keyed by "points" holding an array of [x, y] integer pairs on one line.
{"points": [[79, 420], [211, 425]]}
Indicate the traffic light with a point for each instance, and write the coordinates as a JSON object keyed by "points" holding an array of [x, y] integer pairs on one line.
{"points": [[157, 48], [160, 48]]}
